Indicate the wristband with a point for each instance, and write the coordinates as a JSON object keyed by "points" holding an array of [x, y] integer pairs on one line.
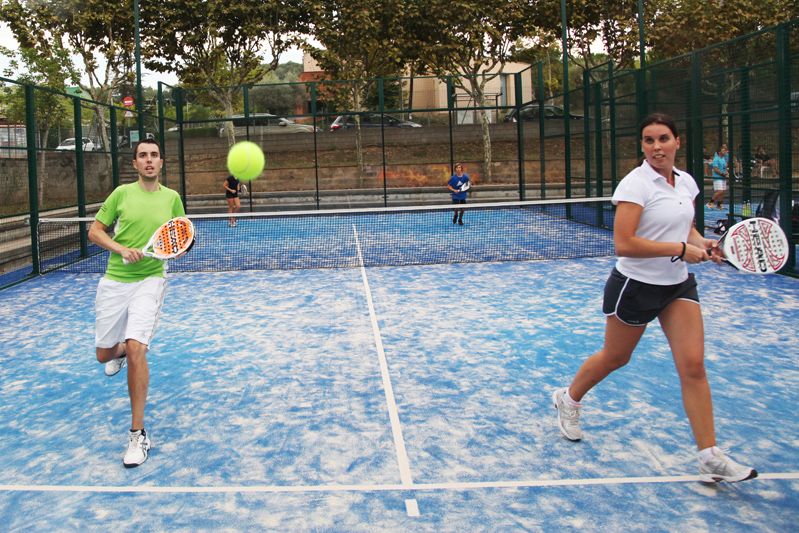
{"points": [[679, 257]]}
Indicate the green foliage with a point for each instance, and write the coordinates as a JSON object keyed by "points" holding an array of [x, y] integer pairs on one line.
{"points": [[284, 72], [360, 40], [45, 72], [98, 31], [471, 36], [711, 22], [392, 95], [218, 43], [282, 99]]}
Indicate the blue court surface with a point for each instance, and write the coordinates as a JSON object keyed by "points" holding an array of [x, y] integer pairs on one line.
{"points": [[410, 398]]}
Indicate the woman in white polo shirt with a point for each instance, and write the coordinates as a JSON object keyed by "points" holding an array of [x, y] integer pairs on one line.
{"points": [[655, 237]]}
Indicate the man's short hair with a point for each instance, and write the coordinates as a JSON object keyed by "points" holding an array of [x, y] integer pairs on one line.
{"points": [[146, 141]]}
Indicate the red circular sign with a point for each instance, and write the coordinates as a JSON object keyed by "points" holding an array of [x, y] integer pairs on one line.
{"points": [[127, 101]]}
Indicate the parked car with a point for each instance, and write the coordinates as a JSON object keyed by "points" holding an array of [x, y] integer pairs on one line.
{"points": [[372, 120], [265, 124], [530, 112], [69, 144]]}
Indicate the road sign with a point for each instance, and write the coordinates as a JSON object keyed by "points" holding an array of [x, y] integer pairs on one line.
{"points": [[127, 101]]}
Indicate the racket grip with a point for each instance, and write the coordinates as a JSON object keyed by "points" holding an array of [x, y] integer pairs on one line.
{"points": [[126, 262]]}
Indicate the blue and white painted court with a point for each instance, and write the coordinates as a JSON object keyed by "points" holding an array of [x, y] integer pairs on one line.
{"points": [[393, 399]]}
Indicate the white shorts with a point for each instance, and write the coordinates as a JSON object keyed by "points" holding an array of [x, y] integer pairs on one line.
{"points": [[127, 310], [720, 184]]}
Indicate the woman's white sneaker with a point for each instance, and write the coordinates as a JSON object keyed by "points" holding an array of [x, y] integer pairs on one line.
{"points": [[568, 415], [721, 468]]}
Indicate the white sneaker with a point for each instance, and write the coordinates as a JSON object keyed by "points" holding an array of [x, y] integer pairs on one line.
{"points": [[113, 366], [568, 415], [722, 468], [138, 446]]}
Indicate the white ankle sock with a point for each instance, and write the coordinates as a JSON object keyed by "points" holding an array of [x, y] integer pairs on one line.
{"points": [[569, 399], [708, 453]]}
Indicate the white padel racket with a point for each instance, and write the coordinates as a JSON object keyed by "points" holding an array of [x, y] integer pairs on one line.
{"points": [[174, 237], [465, 187], [755, 246]]}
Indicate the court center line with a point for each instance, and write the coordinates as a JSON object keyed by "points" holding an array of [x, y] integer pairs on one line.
{"points": [[393, 412], [453, 486]]}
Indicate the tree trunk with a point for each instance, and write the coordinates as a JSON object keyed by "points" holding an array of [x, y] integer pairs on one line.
{"points": [[478, 93], [486, 145], [358, 138], [226, 100]]}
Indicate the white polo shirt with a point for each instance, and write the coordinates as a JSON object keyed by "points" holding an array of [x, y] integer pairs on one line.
{"points": [[667, 217]]}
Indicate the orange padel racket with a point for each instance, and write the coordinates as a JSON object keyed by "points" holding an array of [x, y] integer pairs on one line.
{"points": [[173, 238]]}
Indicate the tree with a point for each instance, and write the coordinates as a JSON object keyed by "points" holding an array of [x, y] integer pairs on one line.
{"points": [[475, 40], [360, 41], [550, 56], [45, 72], [711, 22], [97, 31], [217, 44], [277, 98], [715, 22]]}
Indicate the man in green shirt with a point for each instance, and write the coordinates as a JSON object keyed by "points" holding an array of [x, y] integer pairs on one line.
{"points": [[129, 296]]}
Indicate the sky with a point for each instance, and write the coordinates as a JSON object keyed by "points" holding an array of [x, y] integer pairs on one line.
{"points": [[149, 79]]}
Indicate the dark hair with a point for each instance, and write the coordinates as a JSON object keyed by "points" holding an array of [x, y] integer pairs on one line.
{"points": [[146, 141], [658, 118]]}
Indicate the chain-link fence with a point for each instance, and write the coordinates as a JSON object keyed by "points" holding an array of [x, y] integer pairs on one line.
{"points": [[394, 141]]}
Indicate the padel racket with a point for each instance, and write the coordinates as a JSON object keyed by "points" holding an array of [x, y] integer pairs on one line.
{"points": [[755, 246], [174, 237], [465, 187]]}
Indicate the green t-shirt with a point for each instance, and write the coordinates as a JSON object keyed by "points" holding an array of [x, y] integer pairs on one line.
{"points": [[135, 214]]}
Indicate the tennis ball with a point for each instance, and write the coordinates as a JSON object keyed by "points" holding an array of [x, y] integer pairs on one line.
{"points": [[245, 160]]}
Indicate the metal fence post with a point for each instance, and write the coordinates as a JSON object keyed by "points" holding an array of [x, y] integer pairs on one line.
{"points": [[542, 157], [161, 129], [614, 167], [382, 106], [112, 117], [178, 93], [451, 109], [586, 132], [784, 137], [518, 101], [315, 146], [695, 135], [33, 179], [80, 171], [600, 170], [746, 138]]}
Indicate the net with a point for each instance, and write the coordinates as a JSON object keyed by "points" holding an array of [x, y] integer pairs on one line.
{"points": [[517, 231]]}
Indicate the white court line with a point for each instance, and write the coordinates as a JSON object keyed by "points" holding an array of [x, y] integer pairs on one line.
{"points": [[454, 486], [393, 413]]}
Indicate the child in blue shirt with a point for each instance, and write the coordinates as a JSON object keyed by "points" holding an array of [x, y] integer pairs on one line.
{"points": [[456, 185]]}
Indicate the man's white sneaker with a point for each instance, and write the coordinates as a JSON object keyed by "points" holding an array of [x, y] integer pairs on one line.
{"points": [[568, 415], [722, 468], [138, 446], [113, 366]]}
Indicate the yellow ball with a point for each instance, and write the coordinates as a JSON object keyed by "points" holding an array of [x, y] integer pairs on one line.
{"points": [[245, 160]]}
